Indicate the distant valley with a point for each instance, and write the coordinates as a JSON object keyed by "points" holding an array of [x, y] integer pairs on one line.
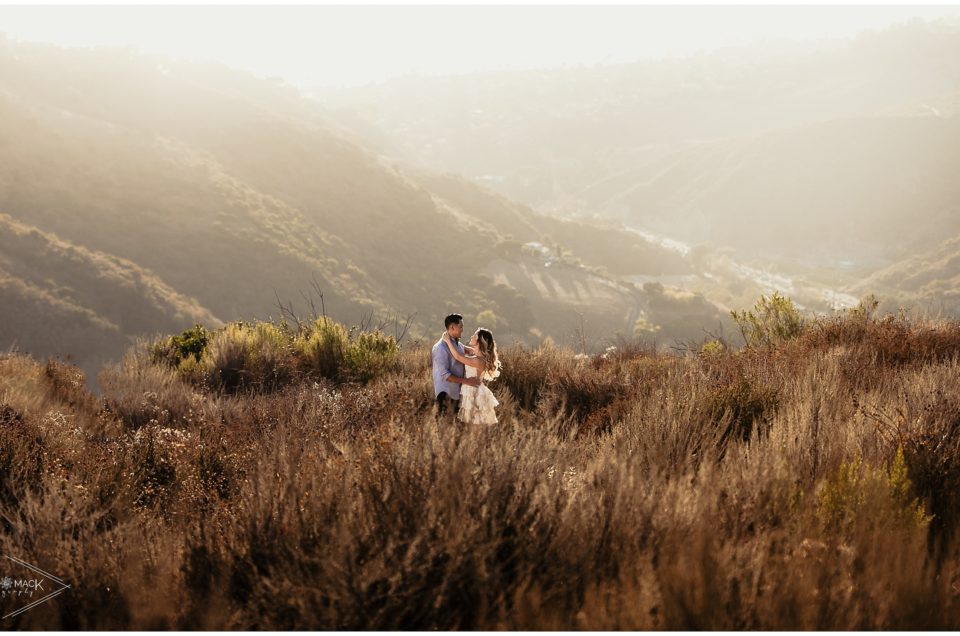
{"points": [[818, 162]]}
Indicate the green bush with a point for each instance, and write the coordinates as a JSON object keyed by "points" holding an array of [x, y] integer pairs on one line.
{"points": [[189, 344], [490, 320], [369, 355], [322, 348], [861, 493], [265, 356], [643, 327], [242, 356], [327, 349], [713, 348], [772, 321]]}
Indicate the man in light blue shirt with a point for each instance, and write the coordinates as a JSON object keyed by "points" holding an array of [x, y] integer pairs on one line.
{"points": [[448, 374]]}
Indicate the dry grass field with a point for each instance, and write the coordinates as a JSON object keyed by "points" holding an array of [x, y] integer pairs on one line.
{"points": [[274, 477]]}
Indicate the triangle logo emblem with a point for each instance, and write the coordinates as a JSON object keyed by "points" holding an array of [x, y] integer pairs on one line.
{"points": [[24, 586]]}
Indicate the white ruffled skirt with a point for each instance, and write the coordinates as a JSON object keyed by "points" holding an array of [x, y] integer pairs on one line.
{"points": [[477, 405]]}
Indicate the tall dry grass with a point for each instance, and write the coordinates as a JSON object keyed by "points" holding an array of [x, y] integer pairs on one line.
{"points": [[771, 488]]}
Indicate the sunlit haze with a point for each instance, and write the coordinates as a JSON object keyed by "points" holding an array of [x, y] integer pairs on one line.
{"points": [[344, 45], [637, 169]]}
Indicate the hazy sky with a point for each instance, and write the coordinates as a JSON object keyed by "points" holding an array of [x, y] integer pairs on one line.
{"points": [[345, 45]]}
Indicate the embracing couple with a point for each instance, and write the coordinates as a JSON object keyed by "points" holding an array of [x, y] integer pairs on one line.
{"points": [[459, 373]]}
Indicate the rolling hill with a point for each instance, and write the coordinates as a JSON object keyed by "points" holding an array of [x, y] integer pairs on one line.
{"points": [[222, 193], [844, 190], [63, 297], [930, 278], [822, 161]]}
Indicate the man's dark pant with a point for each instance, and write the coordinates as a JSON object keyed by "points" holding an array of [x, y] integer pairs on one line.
{"points": [[444, 401]]}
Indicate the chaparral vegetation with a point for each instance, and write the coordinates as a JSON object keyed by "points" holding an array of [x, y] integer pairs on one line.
{"points": [[277, 476]]}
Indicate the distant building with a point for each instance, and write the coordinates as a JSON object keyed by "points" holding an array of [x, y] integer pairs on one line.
{"points": [[536, 248]]}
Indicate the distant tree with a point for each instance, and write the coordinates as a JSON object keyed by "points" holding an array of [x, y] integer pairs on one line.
{"points": [[643, 327], [487, 318]]}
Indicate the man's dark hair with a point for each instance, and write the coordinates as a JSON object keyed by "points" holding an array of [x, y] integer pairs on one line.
{"points": [[452, 319]]}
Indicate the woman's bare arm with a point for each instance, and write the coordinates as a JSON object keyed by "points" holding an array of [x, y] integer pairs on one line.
{"points": [[476, 363]]}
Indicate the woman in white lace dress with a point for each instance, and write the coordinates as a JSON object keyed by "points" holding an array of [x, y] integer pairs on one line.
{"points": [[478, 404]]}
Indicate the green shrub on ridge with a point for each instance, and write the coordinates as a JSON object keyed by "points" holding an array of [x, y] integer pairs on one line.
{"points": [[772, 321], [321, 349], [266, 356], [189, 344], [370, 354], [242, 356]]}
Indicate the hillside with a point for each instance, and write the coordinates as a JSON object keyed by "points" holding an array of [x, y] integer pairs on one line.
{"points": [[90, 155], [931, 277], [837, 154], [542, 136], [234, 191], [822, 193], [602, 243], [60, 297]]}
